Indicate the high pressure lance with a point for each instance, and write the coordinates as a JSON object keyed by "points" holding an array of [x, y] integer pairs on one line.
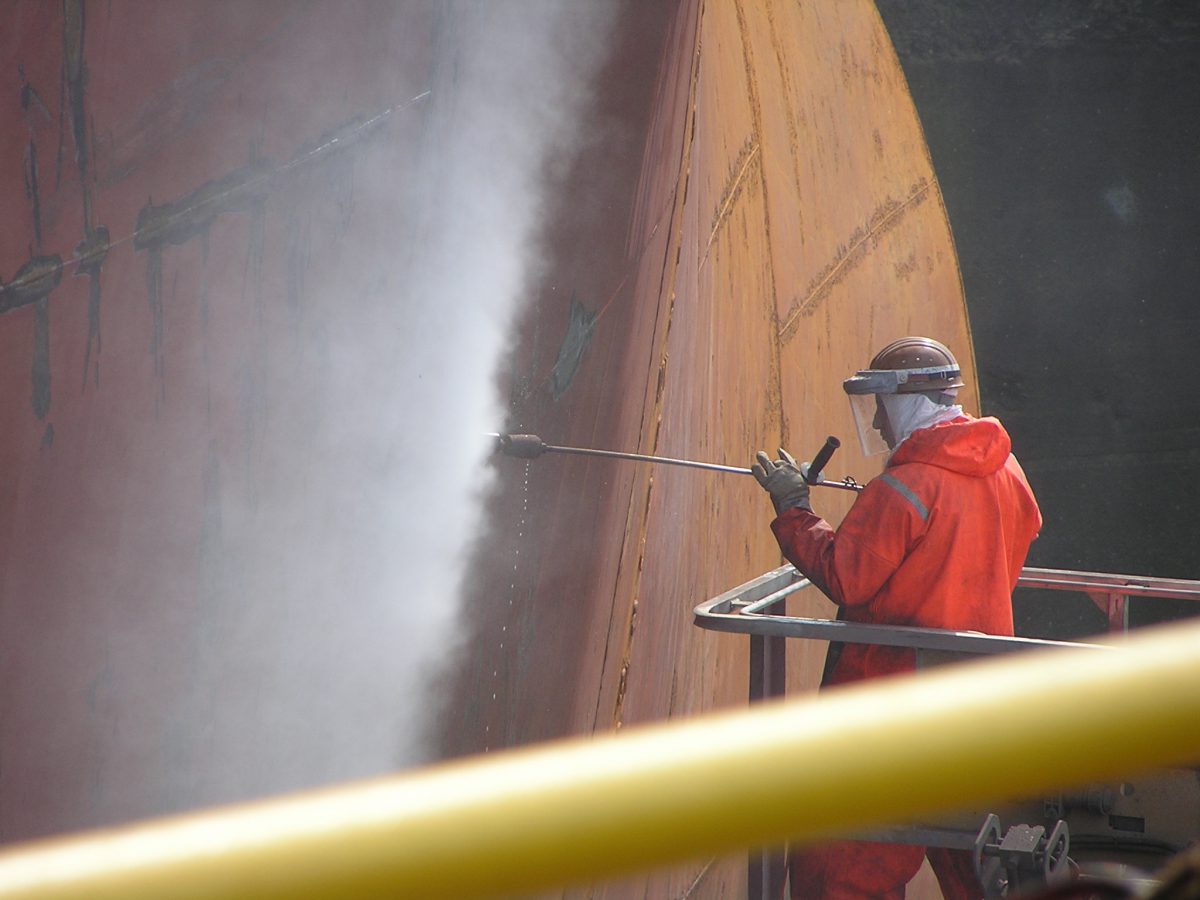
{"points": [[530, 446]]}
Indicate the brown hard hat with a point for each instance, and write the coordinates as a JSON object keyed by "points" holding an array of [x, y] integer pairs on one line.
{"points": [[908, 366], [921, 353], [914, 353]]}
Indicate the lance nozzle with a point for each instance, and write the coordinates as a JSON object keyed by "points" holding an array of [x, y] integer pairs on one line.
{"points": [[522, 446]]}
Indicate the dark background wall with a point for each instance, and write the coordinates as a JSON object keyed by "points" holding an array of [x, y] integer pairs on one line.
{"points": [[1066, 138]]}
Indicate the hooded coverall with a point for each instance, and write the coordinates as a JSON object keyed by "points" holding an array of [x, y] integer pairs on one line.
{"points": [[937, 541]]}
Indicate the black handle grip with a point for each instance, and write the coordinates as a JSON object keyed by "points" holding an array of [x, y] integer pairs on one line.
{"points": [[820, 460]]}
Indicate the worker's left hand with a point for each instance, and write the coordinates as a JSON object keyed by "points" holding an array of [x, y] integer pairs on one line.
{"points": [[783, 480]]}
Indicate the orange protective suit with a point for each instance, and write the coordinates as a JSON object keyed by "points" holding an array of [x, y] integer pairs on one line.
{"points": [[937, 541]]}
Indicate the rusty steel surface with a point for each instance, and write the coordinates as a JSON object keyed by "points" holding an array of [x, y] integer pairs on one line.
{"points": [[785, 224], [187, 196], [753, 213]]}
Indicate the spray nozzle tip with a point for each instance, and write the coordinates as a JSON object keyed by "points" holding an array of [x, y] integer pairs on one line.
{"points": [[522, 446]]}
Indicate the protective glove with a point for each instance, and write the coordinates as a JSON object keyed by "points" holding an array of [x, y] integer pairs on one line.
{"points": [[783, 479]]}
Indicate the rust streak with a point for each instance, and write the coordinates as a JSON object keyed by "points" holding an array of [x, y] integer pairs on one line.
{"points": [[789, 113], [774, 393], [732, 191], [670, 265], [886, 217]]}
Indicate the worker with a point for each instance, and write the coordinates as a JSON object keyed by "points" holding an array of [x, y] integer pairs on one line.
{"points": [[937, 541]]}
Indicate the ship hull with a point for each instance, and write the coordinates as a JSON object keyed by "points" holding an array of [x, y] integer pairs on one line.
{"points": [[196, 299]]}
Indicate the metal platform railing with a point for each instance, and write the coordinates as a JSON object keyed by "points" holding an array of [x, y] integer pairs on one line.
{"points": [[1111, 593], [754, 609]]}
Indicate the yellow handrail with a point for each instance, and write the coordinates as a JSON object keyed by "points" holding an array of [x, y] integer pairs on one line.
{"points": [[584, 809]]}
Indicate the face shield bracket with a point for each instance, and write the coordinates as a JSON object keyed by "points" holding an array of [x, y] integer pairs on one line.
{"points": [[901, 381]]}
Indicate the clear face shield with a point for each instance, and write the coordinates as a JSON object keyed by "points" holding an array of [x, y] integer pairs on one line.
{"points": [[870, 388], [869, 420]]}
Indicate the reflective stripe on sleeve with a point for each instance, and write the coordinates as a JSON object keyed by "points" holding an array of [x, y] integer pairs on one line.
{"points": [[907, 493]]}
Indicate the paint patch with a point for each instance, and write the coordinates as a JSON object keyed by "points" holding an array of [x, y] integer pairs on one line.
{"points": [[581, 323]]}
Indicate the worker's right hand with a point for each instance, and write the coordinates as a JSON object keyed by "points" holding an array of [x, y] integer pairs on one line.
{"points": [[783, 480]]}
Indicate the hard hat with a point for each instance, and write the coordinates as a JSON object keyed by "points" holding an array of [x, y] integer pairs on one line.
{"points": [[909, 365]]}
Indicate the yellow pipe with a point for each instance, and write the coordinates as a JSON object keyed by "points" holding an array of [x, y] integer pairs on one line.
{"points": [[585, 809]]}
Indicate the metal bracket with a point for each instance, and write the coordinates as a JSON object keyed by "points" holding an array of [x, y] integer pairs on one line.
{"points": [[1023, 857]]}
